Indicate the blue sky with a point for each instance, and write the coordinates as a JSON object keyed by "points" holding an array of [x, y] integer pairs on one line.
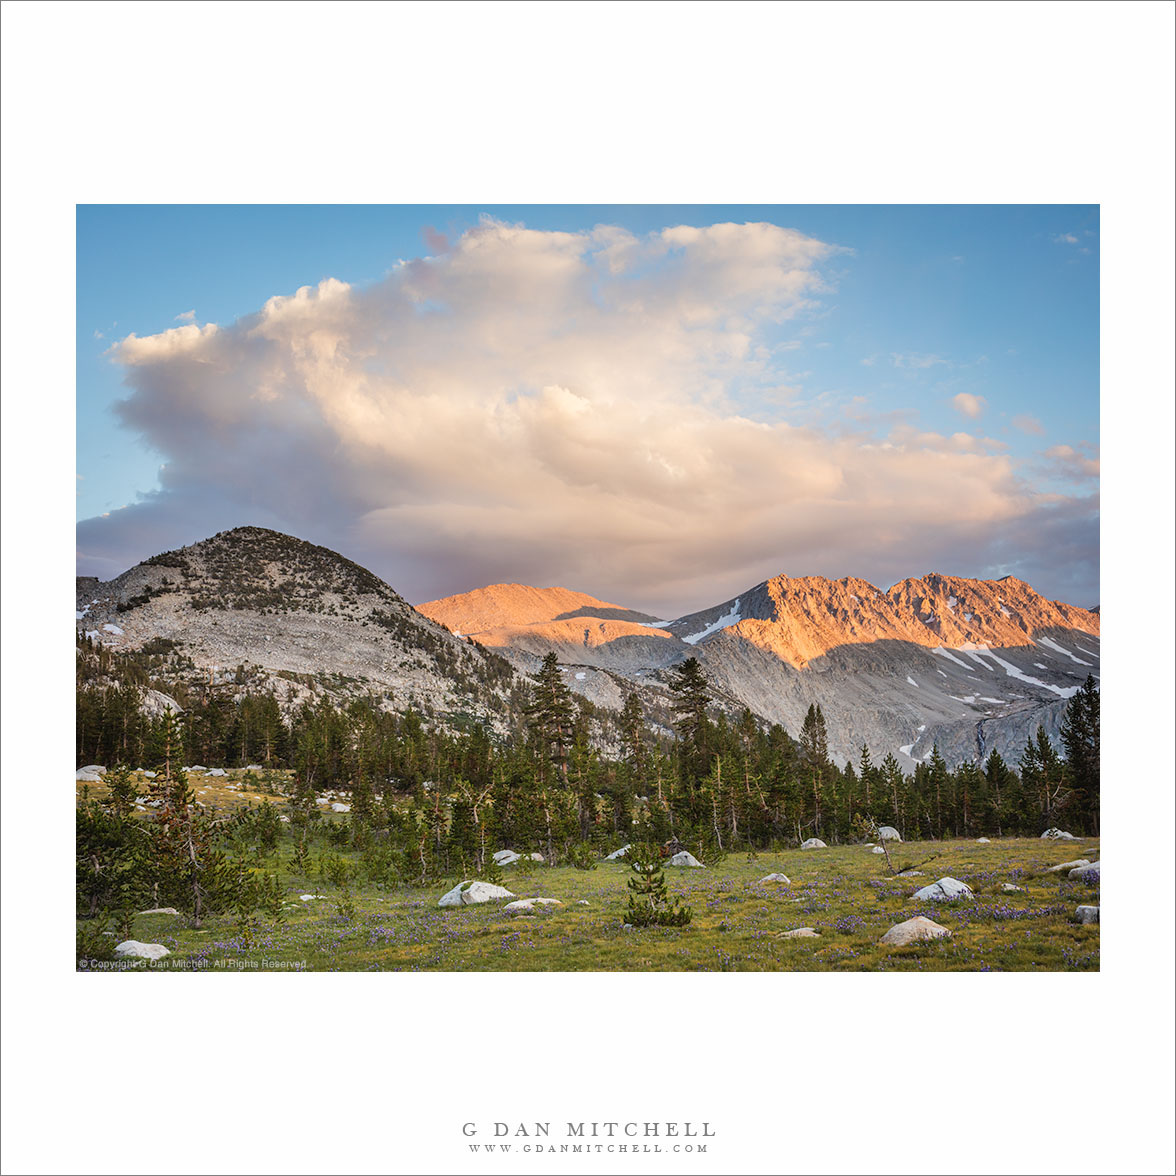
{"points": [[945, 321]]}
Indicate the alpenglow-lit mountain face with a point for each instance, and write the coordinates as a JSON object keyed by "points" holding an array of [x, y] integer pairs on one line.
{"points": [[972, 666]]}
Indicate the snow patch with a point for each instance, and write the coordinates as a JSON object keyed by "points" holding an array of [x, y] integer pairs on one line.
{"points": [[945, 653], [1061, 649], [1013, 672], [581, 676], [952, 602], [912, 682], [1005, 611], [113, 629], [998, 701], [732, 618]]}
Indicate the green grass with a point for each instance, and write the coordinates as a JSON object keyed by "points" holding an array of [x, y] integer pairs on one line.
{"points": [[846, 894]]}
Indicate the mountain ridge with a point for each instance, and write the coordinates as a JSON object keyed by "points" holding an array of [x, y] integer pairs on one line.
{"points": [[970, 665]]}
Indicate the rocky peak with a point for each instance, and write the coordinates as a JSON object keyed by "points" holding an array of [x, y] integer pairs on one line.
{"points": [[487, 612]]}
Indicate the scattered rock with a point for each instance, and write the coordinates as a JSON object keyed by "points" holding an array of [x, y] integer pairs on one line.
{"points": [[801, 933], [1091, 873], [685, 859], [1086, 914], [537, 857], [309, 897], [1056, 834], [528, 904], [1066, 867], [1009, 888], [583, 902], [911, 874], [913, 930], [196, 768], [254, 768], [868, 845], [468, 893], [284, 819], [321, 800], [618, 853], [983, 841], [877, 849], [148, 775], [506, 857], [216, 772], [888, 833], [945, 890], [133, 949], [87, 776], [160, 911], [340, 808], [814, 843], [778, 878]]}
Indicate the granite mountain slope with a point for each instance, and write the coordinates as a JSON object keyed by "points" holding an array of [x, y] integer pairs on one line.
{"points": [[256, 607]]}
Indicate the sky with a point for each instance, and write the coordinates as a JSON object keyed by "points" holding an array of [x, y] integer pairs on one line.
{"points": [[658, 405]]}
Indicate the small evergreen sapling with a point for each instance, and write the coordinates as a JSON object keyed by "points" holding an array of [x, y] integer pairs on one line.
{"points": [[650, 904]]}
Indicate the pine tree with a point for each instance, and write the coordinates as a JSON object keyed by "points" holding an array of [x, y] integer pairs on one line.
{"points": [[650, 904], [939, 780], [691, 698], [894, 784], [869, 778], [121, 794], [633, 734], [1080, 738], [1002, 785], [551, 716], [814, 755], [1044, 777]]}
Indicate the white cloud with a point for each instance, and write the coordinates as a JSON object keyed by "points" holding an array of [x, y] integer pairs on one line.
{"points": [[1028, 424], [1077, 463], [187, 316], [1066, 239], [553, 408], [968, 405], [170, 344]]}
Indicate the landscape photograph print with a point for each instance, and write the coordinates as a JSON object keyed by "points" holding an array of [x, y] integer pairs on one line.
{"points": [[561, 588]]}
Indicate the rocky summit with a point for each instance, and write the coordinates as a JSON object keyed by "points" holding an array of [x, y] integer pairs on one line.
{"points": [[255, 607], [970, 666]]}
